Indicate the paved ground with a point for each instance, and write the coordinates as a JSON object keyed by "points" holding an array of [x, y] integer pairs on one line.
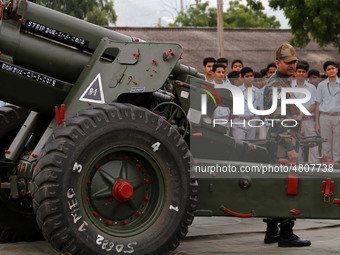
{"points": [[232, 236], [237, 236]]}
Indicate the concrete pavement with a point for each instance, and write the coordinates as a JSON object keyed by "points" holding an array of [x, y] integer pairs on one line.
{"points": [[226, 235], [234, 236]]}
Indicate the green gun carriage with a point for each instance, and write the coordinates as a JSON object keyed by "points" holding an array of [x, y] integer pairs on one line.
{"points": [[103, 144]]}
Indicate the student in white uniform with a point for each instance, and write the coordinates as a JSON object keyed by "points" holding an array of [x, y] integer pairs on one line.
{"points": [[244, 130], [327, 116], [308, 122]]}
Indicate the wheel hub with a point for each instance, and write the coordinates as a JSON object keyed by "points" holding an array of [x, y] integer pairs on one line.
{"points": [[118, 187], [122, 190]]}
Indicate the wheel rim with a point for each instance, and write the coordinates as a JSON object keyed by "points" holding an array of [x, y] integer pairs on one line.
{"points": [[124, 191]]}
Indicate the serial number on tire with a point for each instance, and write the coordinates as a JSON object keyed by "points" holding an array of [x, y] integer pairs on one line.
{"points": [[111, 246]]}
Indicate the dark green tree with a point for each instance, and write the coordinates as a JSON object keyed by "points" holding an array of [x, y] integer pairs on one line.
{"points": [[317, 20], [99, 12], [199, 16], [237, 15]]}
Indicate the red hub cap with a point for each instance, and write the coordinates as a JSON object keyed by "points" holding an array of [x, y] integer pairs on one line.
{"points": [[122, 190]]}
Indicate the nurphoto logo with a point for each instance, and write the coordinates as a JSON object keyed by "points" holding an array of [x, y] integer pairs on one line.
{"points": [[238, 104]]}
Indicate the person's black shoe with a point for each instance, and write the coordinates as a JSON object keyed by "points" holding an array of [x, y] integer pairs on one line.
{"points": [[293, 241], [271, 237], [272, 231]]}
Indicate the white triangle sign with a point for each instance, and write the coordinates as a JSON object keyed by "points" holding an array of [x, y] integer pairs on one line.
{"points": [[94, 92]]}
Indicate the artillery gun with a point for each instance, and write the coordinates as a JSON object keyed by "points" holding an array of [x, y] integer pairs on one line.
{"points": [[95, 143]]}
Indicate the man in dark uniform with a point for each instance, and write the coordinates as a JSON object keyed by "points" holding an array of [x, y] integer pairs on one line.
{"points": [[283, 142]]}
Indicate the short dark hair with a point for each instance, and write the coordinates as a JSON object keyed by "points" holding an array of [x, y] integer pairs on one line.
{"points": [[257, 75], [217, 65], [236, 61], [263, 72], [272, 64], [328, 63], [313, 72], [301, 64], [246, 70], [208, 60], [233, 74], [222, 60]]}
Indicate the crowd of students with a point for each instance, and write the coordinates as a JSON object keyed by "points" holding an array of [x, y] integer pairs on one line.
{"points": [[324, 104]]}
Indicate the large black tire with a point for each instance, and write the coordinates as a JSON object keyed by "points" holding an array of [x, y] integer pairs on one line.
{"points": [[114, 179], [17, 220]]}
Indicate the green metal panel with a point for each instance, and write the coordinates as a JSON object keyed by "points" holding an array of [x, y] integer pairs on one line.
{"points": [[266, 194], [146, 73]]}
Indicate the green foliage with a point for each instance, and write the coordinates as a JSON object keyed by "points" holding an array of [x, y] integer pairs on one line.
{"points": [[99, 12], [237, 15], [198, 16], [255, 5], [317, 20]]}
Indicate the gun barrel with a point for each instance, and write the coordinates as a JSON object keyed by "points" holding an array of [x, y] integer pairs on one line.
{"points": [[59, 26], [50, 42], [183, 69]]}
